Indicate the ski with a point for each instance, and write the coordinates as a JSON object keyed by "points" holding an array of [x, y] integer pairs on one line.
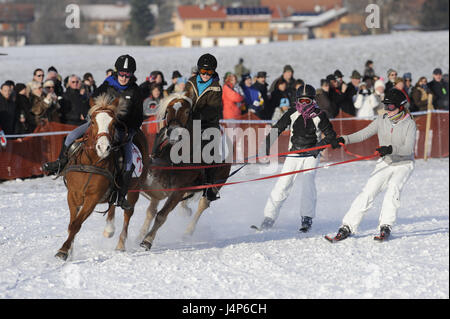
{"points": [[381, 238], [255, 228], [332, 239]]}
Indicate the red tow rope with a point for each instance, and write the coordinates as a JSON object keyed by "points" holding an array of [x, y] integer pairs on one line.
{"points": [[358, 158]]}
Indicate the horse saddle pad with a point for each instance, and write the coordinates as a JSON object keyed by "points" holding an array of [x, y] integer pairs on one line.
{"points": [[137, 161]]}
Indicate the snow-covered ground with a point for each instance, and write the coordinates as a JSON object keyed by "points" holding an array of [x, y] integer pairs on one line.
{"points": [[225, 258], [416, 52]]}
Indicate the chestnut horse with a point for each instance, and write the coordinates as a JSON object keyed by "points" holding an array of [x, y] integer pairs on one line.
{"points": [[175, 110], [91, 171]]}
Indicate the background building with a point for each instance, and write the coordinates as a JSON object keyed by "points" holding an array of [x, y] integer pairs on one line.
{"points": [[15, 22]]}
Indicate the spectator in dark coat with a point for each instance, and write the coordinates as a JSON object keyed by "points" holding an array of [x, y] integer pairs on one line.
{"points": [[324, 101], [175, 76], [369, 74], [7, 109], [439, 88], [261, 85], [155, 77], [74, 106], [277, 95], [23, 106], [288, 76], [392, 75]]}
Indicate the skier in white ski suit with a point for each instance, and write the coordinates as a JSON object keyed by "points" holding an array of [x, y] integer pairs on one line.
{"points": [[396, 131], [306, 122]]}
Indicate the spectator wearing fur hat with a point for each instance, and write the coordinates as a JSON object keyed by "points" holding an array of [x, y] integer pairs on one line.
{"points": [[378, 93], [365, 103]]}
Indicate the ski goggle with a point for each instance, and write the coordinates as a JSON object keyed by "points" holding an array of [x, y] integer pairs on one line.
{"points": [[204, 71], [304, 100], [390, 107], [125, 74]]}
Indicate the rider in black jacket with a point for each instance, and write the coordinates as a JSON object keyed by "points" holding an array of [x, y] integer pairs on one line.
{"points": [[121, 84]]}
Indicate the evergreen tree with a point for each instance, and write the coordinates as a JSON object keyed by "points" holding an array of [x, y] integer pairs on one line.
{"points": [[435, 14], [141, 22]]}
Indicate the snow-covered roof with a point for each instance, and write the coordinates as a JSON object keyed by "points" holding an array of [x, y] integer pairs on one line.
{"points": [[324, 18], [106, 12]]}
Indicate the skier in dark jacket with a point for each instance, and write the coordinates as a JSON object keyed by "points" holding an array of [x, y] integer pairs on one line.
{"points": [[121, 84], [306, 122]]}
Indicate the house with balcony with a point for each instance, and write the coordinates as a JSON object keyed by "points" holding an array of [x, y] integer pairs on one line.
{"points": [[215, 26]]}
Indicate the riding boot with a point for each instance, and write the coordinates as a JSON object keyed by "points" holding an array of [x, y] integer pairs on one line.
{"points": [[212, 192], [122, 192], [58, 165]]}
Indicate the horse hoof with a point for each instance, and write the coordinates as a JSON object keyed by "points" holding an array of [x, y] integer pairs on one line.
{"points": [[146, 245], [108, 234], [62, 255]]}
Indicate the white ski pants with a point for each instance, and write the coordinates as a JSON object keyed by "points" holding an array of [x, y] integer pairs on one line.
{"points": [[284, 184], [385, 177]]}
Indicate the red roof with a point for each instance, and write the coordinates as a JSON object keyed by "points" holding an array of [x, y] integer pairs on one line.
{"points": [[11, 12], [207, 12]]}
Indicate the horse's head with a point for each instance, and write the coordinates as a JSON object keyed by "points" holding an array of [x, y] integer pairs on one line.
{"points": [[176, 112], [103, 118]]}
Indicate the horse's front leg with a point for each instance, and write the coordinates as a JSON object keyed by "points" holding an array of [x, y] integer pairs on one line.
{"points": [[203, 204], [75, 226], [132, 199], [109, 230], [152, 209], [161, 217]]}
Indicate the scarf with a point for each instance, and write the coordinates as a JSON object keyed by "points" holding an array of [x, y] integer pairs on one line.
{"points": [[308, 111], [112, 81], [202, 86], [396, 118]]}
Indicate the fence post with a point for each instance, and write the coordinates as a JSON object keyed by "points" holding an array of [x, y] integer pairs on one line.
{"points": [[427, 127]]}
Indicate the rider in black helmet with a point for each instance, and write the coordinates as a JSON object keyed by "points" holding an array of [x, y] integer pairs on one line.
{"points": [[206, 93], [121, 84]]}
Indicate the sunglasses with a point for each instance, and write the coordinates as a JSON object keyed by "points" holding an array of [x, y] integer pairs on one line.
{"points": [[49, 87], [125, 74], [40, 75], [304, 100], [393, 74], [75, 82], [390, 107], [208, 72]]}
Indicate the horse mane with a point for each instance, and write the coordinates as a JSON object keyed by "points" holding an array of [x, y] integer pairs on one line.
{"points": [[166, 101], [106, 102]]}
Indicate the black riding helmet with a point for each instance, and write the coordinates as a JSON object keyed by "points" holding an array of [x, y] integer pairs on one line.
{"points": [[394, 97], [207, 61], [306, 91], [125, 63]]}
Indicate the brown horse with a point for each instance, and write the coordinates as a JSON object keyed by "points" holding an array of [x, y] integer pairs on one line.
{"points": [[175, 111], [91, 171]]}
